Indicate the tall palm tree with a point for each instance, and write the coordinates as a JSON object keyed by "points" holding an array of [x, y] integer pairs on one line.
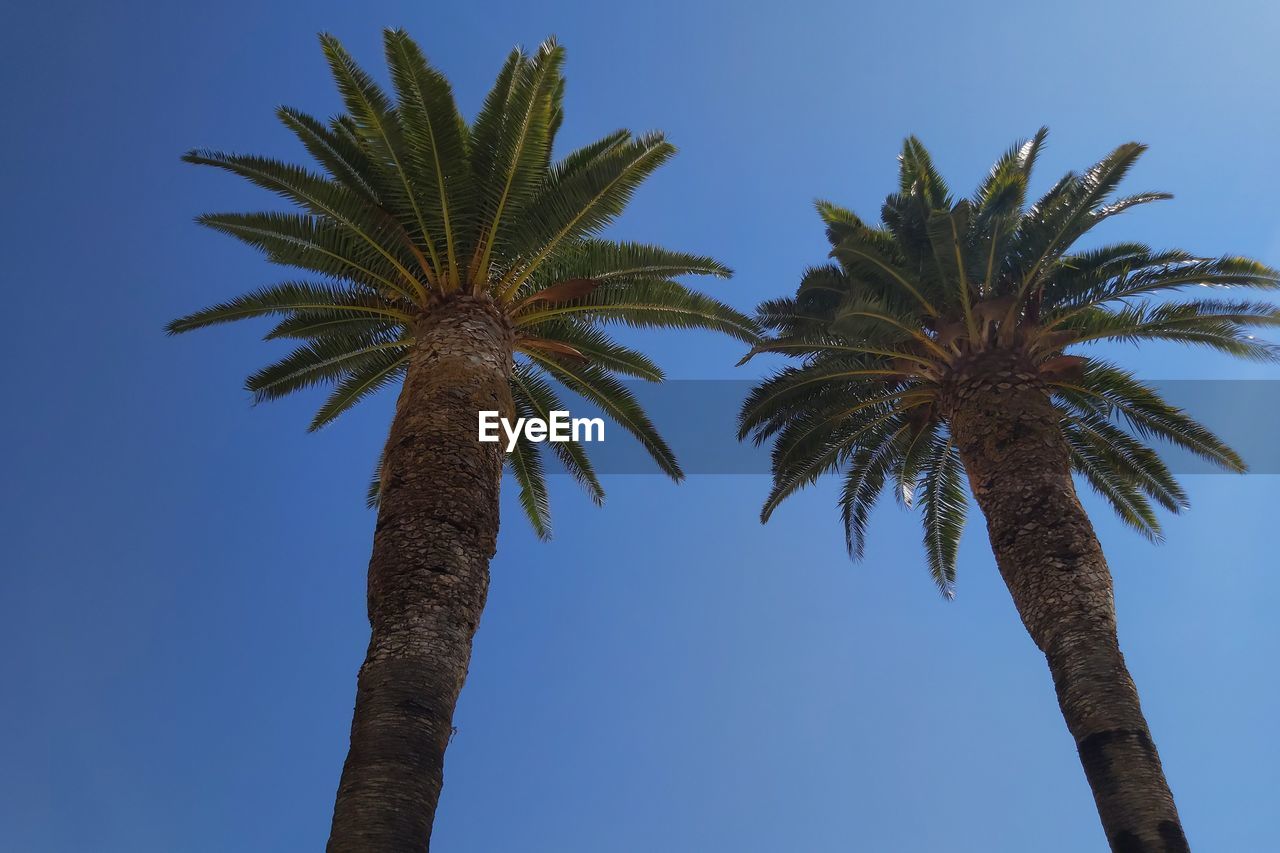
{"points": [[458, 261], [935, 348]]}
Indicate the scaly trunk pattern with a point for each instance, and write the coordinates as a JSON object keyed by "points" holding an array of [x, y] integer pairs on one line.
{"points": [[1008, 435], [428, 577]]}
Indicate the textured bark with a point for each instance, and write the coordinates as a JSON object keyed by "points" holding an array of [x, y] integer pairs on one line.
{"points": [[1018, 465], [428, 578]]}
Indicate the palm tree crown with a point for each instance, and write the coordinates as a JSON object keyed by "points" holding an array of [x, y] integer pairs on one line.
{"points": [[946, 290], [415, 207]]}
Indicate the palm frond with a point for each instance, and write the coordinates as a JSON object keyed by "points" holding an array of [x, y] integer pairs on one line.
{"points": [[593, 345], [326, 360], [381, 368], [1110, 391], [868, 470], [525, 461], [533, 393], [597, 386], [286, 298], [653, 303], [340, 155], [513, 148], [944, 505], [435, 138], [579, 205], [373, 117]]}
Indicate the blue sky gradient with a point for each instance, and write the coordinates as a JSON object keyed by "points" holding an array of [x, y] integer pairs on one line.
{"points": [[182, 581]]}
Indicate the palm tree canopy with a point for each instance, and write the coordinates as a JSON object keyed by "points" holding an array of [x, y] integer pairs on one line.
{"points": [[413, 205], [904, 306]]}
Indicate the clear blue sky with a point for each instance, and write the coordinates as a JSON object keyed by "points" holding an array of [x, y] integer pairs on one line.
{"points": [[181, 588]]}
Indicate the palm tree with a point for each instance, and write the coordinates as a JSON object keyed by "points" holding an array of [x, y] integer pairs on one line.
{"points": [[460, 262], [935, 348]]}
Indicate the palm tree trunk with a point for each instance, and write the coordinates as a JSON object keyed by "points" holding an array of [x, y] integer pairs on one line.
{"points": [[428, 578], [1018, 465]]}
